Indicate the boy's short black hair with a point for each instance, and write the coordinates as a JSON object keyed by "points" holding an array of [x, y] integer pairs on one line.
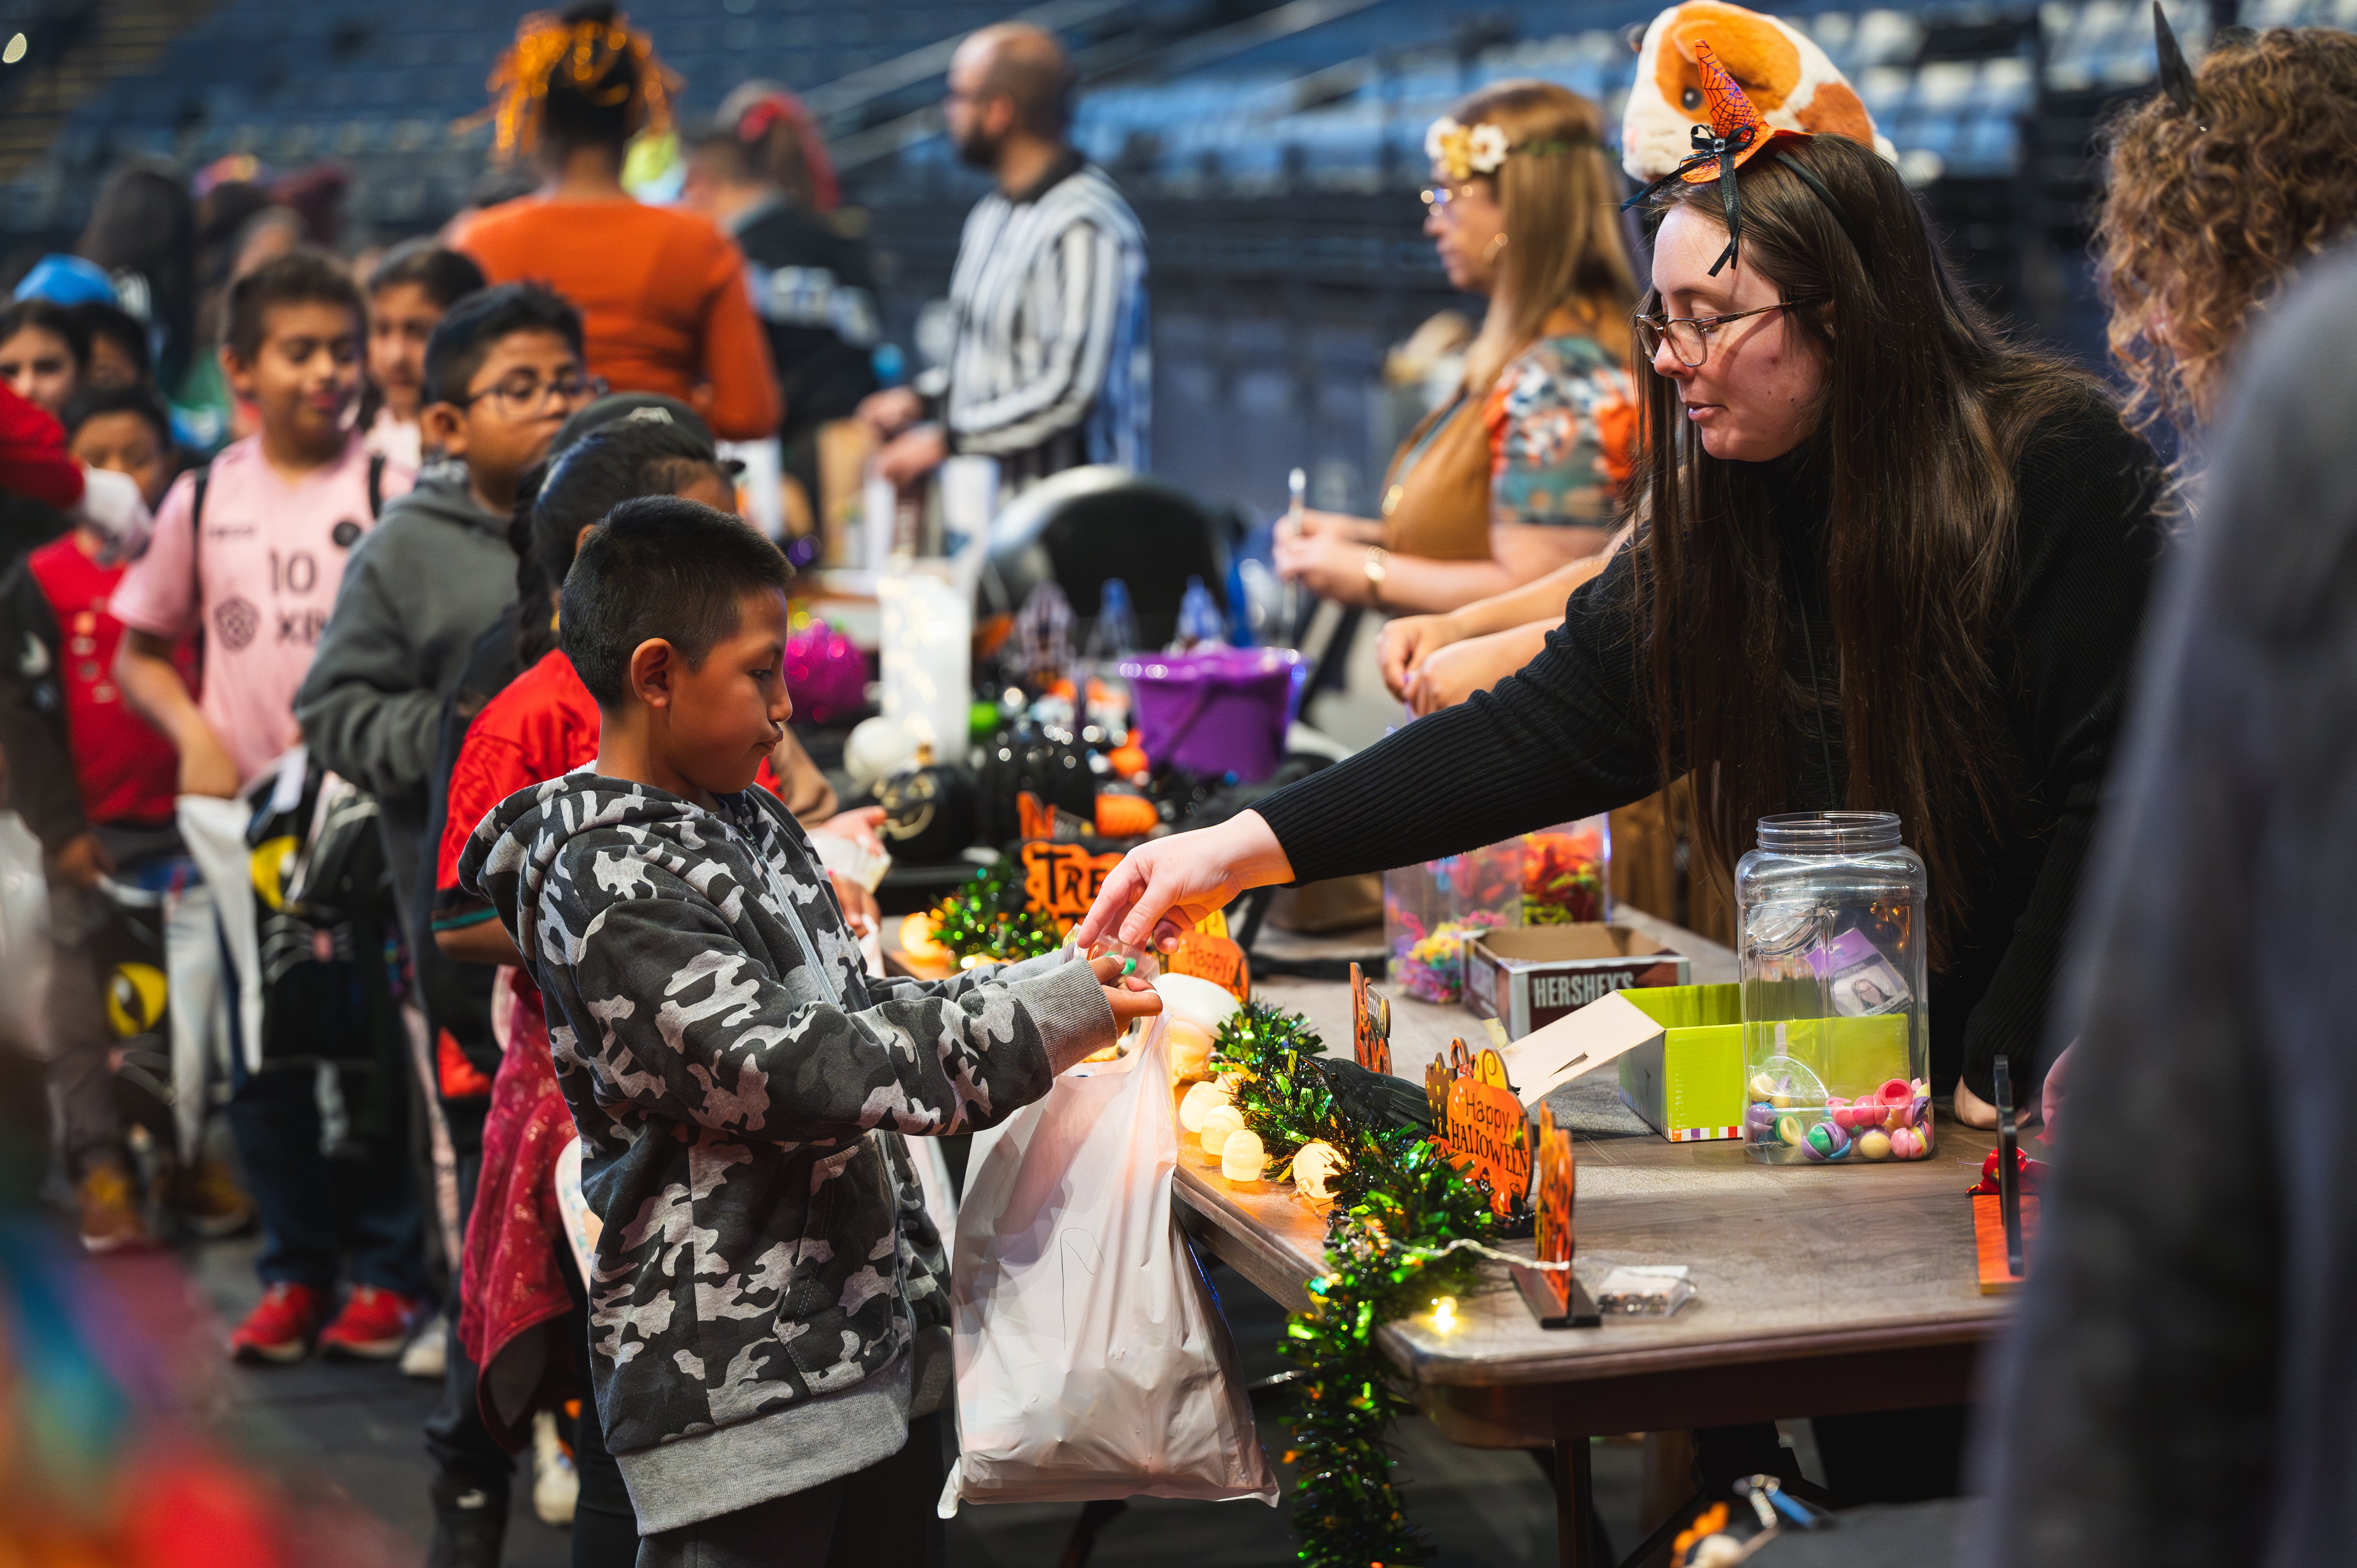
{"points": [[462, 339], [117, 325], [659, 566], [87, 405], [304, 275], [48, 316], [445, 276]]}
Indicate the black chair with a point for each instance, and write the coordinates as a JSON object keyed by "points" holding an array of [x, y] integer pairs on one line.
{"points": [[1084, 525]]}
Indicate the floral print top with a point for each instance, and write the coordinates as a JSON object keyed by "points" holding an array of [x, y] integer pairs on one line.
{"points": [[1562, 421]]}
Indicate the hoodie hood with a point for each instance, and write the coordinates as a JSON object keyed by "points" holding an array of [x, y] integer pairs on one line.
{"points": [[443, 493], [515, 862]]}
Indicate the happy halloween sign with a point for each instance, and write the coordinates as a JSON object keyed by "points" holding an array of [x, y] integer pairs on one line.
{"points": [[1484, 1128]]}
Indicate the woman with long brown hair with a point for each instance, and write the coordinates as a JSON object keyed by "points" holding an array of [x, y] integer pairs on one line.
{"points": [[1523, 467], [1885, 560]]}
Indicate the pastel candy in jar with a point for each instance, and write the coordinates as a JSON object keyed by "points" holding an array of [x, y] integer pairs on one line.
{"points": [[1825, 1141]]}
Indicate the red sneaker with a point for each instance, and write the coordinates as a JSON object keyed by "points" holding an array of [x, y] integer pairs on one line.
{"points": [[279, 1328], [373, 1325]]}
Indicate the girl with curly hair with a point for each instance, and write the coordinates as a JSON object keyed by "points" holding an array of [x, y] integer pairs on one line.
{"points": [[2219, 190]]}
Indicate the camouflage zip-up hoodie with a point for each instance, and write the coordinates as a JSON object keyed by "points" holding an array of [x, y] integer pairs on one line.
{"points": [[766, 1269]]}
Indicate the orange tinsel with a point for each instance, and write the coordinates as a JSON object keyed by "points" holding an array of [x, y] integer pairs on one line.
{"points": [[587, 52]]}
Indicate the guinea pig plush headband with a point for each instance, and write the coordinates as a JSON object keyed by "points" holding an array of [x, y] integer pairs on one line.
{"points": [[1736, 134]]}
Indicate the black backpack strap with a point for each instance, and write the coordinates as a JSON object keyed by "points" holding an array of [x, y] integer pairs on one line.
{"points": [[203, 477], [376, 486]]}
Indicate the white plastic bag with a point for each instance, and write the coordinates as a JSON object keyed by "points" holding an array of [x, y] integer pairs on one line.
{"points": [[25, 951], [214, 831], [1092, 1358]]}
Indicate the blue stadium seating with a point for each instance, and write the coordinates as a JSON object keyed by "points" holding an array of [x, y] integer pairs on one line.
{"points": [[295, 80]]}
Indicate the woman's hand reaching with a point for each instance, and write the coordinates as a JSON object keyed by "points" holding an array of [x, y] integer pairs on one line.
{"points": [[1407, 641], [1163, 888]]}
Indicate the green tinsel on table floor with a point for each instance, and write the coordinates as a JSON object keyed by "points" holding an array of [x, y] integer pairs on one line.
{"points": [[1396, 1207], [987, 917]]}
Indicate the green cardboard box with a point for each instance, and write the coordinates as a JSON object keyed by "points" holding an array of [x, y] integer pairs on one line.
{"points": [[1687, 1080]]}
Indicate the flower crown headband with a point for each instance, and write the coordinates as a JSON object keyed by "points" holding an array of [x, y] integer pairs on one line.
{"points": [[1464, 151]]}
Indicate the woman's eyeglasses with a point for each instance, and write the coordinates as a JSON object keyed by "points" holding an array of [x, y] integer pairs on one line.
{"points": [[1689, 336]]}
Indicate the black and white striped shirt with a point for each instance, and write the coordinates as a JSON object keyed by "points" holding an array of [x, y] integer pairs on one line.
{"points": [[1052, 367]]}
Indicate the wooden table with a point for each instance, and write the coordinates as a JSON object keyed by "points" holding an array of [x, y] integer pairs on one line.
{"points": [[1819, 1290]]}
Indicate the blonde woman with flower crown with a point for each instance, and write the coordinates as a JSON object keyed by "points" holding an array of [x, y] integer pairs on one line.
{"points": [[1523, 468]]}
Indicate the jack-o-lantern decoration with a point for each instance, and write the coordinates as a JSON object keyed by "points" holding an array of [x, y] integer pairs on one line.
{"points": [[928, 810]]}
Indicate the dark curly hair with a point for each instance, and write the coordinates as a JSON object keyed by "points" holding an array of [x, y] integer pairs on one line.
{"points": [[2199, 228]]}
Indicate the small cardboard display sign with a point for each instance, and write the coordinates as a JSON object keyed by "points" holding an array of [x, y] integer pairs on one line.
{"points": [[1371, 1025], [1990, 1255], [1558, 1184], [1213, 958], [1576, 1043], [1484, 1128], [1060, 880], [1554, 1296]]}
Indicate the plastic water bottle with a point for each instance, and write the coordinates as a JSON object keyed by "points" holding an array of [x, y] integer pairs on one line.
{"points": [[1199, 621]]}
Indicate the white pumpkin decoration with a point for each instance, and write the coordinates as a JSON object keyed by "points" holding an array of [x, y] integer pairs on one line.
{"points": [[1241, 1157], [1195, 1008], [1221, 1124], [1198, 1102], [1315, 1168]]}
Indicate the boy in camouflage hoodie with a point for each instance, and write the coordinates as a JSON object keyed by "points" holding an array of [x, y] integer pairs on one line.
{"points": [[768, 1311]]}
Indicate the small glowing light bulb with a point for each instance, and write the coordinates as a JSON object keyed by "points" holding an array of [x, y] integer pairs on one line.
{"points": [[1444, 1315], [14, 51]]}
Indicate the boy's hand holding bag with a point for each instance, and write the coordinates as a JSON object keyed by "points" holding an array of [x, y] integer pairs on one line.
{"points": [[1091, 1358]]}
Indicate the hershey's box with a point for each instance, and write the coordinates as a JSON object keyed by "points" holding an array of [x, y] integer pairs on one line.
{"points": [[1528, 977]]}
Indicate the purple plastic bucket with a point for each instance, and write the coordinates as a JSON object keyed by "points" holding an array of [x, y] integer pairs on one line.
{"points": [[1218, 710]]}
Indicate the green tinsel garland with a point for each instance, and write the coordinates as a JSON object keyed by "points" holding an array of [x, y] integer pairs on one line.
{"points": [[1399, 1204], [988, 919]]}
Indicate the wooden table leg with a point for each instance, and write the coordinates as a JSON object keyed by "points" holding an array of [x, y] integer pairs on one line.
{"points": [[1574, 1505]]}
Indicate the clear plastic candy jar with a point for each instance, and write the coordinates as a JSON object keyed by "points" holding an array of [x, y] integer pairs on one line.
{"points": [[1836, 1044]]}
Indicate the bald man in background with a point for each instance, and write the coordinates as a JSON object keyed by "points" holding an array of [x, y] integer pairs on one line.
{"points": [[1051, 368]]}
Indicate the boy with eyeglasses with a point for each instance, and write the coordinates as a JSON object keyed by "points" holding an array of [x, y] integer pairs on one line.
{"points": [[502, 373]]}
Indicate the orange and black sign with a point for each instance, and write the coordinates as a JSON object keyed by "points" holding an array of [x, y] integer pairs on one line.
{"points": [[1558, 1180], [1215, 958], [1484, 1128], [1371, 1025], [1060, 880]]}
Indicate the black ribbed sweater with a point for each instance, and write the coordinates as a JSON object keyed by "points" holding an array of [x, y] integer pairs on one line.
{"points": [[1573, 734]]}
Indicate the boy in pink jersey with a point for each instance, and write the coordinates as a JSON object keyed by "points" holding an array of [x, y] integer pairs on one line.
{"points": [[250, 553]]}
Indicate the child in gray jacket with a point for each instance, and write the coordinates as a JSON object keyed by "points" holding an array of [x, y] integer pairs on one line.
{"points": [[770, 1309]]}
